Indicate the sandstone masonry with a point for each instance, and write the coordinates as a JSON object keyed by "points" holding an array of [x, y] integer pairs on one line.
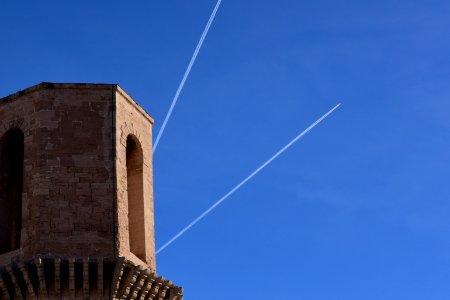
{"points": [[78, 220]]}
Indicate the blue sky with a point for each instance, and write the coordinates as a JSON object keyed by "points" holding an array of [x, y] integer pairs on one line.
{"points": [[358, 209]]}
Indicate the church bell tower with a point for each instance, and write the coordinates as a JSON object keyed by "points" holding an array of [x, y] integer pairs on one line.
{"points": [[76, 196]]}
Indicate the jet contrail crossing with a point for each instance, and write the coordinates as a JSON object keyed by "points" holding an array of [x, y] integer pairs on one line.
{"points": [[186, 75], [204, 214]]}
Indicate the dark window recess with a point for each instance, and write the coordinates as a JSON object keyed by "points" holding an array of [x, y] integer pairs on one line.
{"points": [[11, 186], [135, 190]]}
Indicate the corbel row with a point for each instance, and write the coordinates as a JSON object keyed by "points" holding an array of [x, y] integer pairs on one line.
{"points": [[127, 281]]}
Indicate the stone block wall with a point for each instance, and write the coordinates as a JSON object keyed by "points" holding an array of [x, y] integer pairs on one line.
{"points": [[133, 122], [75, 191], [68, 168]]}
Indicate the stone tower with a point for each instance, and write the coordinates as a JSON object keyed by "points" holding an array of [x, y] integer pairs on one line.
{"points": [[76, 196]]}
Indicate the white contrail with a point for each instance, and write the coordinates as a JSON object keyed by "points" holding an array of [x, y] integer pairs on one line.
{"points": [[179, 234], [186, 74]]}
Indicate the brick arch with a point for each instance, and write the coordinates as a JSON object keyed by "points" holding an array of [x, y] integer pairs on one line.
{"points": [[18, 123], [125, 130], [134, 183]]}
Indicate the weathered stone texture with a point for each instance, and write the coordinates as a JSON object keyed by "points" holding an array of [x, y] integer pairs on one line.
{"points": [[69, 195], [68, 168], [132, 120], [87, 195]]}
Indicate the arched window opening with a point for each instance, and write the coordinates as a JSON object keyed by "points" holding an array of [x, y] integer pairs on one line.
{"points": [[11, 186], [135, 184]]}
